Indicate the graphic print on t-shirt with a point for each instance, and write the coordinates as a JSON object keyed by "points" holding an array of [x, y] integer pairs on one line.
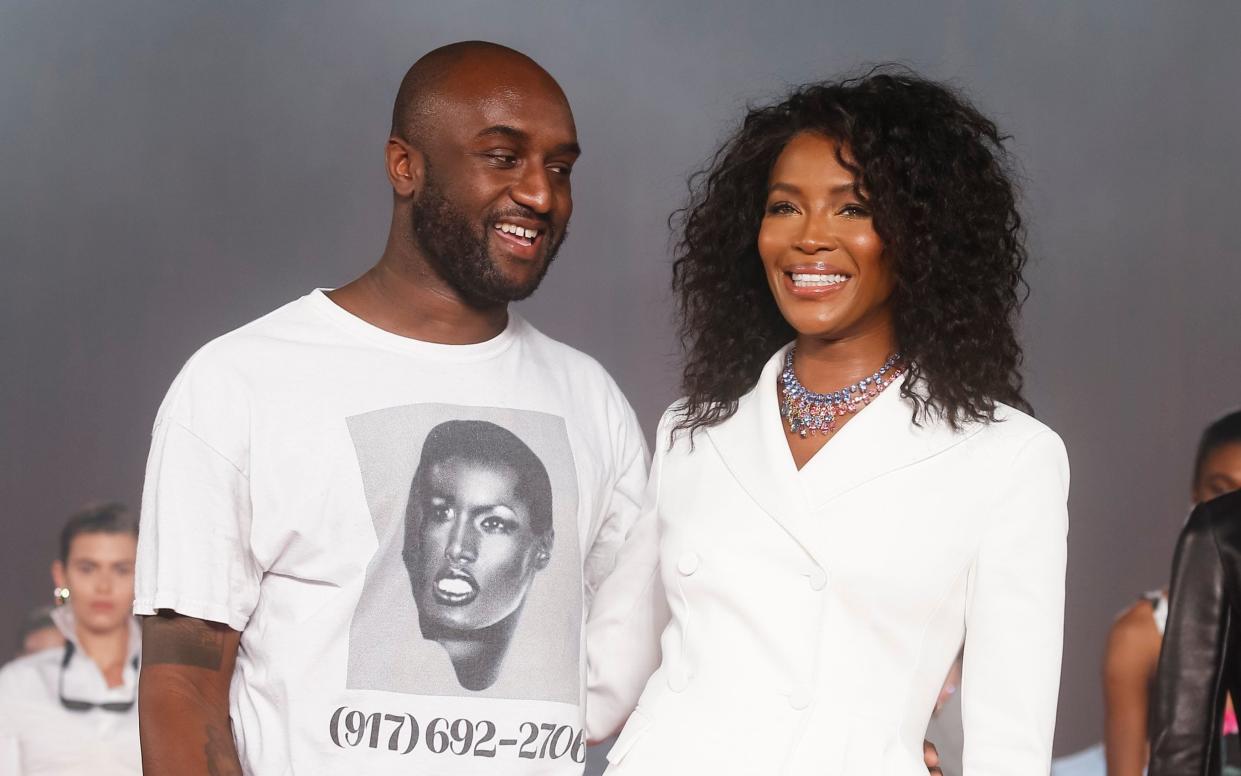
{"points": [[475, 586]]}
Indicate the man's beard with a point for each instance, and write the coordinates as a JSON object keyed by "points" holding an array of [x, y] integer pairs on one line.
{"points": [[458, 249]]}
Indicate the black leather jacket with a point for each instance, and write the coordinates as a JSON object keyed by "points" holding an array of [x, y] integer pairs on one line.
{"points": [[1201, 659]]}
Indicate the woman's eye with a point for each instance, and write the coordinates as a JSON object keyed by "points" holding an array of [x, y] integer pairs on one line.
{"points": [[854, 211], [496, 524], [441, 514], [780, 208]]}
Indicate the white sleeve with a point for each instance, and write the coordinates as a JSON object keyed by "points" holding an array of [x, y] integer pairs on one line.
{"points": [[627, 618], [624, 501], [10, 739], [194, 554], [10, 755], [1015, 619]]}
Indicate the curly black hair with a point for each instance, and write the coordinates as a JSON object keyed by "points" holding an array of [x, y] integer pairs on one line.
{"points": [[939, 183]]}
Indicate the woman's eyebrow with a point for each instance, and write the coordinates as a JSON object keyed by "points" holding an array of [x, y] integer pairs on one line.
{"points": [[786, 187], [793, 188]]}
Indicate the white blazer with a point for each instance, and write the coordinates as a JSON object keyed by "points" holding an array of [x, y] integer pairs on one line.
{"points": [[810, 617]]}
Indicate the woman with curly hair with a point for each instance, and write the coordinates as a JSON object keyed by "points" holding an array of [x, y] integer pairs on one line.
{"points": [[851, 489]]}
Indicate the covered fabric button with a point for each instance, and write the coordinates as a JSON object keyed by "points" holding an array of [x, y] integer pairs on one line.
{"points": [[677, 681], [818, 578], [688, 563], [800, 698]]}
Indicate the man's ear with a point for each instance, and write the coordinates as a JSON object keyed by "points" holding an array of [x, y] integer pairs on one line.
{"points": [[406, 167], [58, 574]]}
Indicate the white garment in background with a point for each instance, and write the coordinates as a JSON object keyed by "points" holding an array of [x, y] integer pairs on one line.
{"points": [[815, 613], [40, 737], [276, 501]]}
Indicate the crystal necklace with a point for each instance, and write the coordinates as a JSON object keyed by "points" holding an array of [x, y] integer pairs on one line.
{"points": [[807, 412]]}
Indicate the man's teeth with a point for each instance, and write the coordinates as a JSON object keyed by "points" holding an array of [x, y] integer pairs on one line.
{"points": [[518, 231], [814, 280], [453, 586]]}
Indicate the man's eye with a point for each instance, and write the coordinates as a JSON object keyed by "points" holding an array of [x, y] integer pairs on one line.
{"points": [[494, 524], [502, 159], [561, 169]]}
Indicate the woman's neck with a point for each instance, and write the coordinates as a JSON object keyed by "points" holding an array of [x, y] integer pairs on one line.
{"points": [[108, 649], [825, 365]]}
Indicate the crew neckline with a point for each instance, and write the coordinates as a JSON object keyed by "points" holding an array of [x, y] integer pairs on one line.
{"points": [[358, 327]]}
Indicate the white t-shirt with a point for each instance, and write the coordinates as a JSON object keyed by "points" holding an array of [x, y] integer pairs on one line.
{"points": [[406, 534], [39, 736]]}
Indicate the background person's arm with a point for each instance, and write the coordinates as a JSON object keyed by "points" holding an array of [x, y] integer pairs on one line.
{"points": [[187, 666], [1128, 668]]}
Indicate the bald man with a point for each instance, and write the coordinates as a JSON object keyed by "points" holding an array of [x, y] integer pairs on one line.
{"points": [[281, 632]]}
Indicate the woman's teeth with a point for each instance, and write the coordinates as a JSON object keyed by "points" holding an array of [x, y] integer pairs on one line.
{"points": [[452, 586], [815, 280], [521, 233]]}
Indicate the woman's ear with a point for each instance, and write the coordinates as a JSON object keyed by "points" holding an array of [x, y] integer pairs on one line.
{"points": [[543, 552]]}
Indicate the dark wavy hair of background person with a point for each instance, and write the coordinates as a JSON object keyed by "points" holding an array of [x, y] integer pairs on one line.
{"points": [[939, 183]]}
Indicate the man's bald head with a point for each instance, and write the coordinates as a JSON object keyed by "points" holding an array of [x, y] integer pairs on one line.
{"points": [[461, 71]]}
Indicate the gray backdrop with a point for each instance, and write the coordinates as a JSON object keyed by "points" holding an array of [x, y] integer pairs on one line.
{"points": [[173, 169]]}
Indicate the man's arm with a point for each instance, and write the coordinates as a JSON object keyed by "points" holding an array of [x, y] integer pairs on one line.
{"points": [[187, 666]]}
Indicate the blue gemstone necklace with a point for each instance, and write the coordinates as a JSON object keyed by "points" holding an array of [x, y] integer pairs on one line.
{"points": [[807, 412]]}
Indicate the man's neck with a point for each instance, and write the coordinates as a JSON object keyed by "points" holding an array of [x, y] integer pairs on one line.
{"points": [[403, 295]]}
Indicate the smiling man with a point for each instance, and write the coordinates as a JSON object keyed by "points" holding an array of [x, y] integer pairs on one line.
{"points": [[271, 514]]}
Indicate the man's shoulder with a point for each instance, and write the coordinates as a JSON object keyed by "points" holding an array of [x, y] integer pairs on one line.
{"points": [[566, 360], [290, 324], [225, 370]]}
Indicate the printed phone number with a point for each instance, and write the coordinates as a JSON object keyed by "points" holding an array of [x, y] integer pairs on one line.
{"points": [[351, 729]]}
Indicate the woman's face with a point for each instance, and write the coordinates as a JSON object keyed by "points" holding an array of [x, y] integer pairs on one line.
{"points": [[477, 550], [99, 574], [1221, 472], [823, 259]]}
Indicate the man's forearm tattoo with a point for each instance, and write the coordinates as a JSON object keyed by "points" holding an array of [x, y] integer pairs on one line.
{"points": [[221, 752], [183, 641]]}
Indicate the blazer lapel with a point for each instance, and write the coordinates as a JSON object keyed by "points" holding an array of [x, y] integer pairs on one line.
{"points": [[880, 439], [753, 448]]}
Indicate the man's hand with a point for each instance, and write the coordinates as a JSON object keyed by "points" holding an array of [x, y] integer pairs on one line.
{"points": [[930, 755]]}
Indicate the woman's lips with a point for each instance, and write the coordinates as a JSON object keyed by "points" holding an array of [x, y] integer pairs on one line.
{"points": [[453, 587], [814, 285]]}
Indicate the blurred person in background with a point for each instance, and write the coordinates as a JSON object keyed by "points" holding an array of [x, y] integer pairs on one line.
{"points": [[946, 730], [1135, 639], [71, 710], [38, 632]]}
